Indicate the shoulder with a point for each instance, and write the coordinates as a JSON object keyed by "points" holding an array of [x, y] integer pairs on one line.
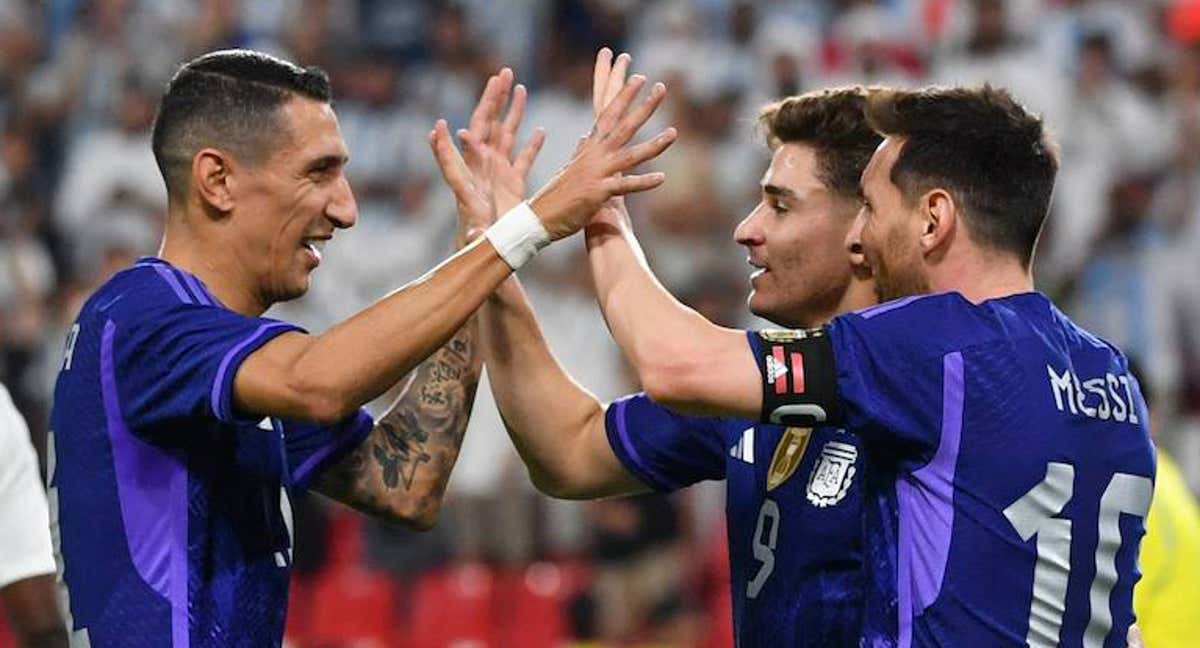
{"points": [[922, 325], [936, 324], [912, 310], [140, 290]]}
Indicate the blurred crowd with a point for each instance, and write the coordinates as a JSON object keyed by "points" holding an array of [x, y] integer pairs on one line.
{"points": [[1117, 81]]}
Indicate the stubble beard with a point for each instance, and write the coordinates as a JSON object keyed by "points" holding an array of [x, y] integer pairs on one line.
{"points": [[896, 280]]}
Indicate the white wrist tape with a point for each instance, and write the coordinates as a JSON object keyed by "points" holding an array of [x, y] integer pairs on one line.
{"points": [[518, 235]]}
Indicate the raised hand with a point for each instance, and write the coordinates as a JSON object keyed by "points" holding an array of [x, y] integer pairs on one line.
{"points": [[608, 78], [594, 175], [486, 179], [488, 151]]}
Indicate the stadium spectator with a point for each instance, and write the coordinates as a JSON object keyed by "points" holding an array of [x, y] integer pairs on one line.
{"points": [[27, 593]]}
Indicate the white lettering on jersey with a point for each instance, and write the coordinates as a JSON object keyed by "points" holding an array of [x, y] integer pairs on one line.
{"points": [[1105, 397]]}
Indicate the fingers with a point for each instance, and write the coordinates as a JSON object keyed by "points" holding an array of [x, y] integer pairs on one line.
{"points": [[583, 140], [528, 154], [619, 186], [612, 113], [648, 150], [451, 164], [630, 123], [600, 80], [495, 94], [616, 79], [512, 122], [472, 148]]}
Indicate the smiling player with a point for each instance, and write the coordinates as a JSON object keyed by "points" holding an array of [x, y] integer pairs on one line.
{"points": [[793, 499], [1009, 468], [183, 420]]}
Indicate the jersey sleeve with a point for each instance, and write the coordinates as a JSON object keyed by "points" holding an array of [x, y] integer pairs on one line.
{"points": [[900, 370], [889, 373], [312, 448], [175, 361], [665, 450]]}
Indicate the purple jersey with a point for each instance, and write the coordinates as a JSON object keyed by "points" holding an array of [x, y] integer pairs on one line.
{"points": [[170, 509], [793, 514], [1010, 471]]}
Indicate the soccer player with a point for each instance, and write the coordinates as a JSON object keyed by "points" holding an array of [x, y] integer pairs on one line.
{"points": [[1008, 464], [27, 594], [183, 421], [793, 506]]}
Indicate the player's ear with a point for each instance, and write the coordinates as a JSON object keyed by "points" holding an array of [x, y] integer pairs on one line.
{"points": [[939, 214], [211, 177]]}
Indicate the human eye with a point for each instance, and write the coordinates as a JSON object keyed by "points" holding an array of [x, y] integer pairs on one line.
{"points": [[324, 168]]}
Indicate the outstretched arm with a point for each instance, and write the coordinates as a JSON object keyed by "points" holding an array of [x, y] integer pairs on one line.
{"points": [[683, 360], [326, 377], [555, 424], [401, 469]]}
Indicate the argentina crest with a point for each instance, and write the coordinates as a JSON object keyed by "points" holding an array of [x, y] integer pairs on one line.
{"points": [[831, 478]]}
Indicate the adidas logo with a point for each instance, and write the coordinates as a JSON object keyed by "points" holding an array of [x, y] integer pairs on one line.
{"points": [[775, 369], [744, 448]]}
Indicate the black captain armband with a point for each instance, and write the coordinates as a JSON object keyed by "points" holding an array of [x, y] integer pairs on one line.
{"points": [[799, 378]]}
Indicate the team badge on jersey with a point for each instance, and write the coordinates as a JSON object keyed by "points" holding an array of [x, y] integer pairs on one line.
{"points": [[831, 477], [788, 453]]}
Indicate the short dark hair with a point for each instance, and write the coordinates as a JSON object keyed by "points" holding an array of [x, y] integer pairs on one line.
{"points": [[227, 99], [982, 146], [832, 122]]}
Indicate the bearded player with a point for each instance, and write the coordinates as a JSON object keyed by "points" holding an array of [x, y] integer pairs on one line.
{"points": [[1009, 467]]}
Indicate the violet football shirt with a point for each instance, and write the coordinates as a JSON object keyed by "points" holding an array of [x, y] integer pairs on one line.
{"points": [[793, 514], [170, 509], [1009, 471]]}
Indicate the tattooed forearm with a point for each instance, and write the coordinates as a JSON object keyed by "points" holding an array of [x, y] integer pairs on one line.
{"points": [[401, 469]]}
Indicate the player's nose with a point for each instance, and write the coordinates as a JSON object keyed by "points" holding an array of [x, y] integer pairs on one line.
{"points": [[749, 231], [342, 209]]}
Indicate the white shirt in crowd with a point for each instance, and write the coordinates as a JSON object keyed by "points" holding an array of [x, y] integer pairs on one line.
{"points": [[24, 519]]}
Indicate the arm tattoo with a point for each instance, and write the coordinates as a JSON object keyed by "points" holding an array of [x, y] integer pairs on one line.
{"points": [[405, 461]]}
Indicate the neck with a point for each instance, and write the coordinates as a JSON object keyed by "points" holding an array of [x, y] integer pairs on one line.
{"points": [[860, 293], [190, 244], [979, 276]]}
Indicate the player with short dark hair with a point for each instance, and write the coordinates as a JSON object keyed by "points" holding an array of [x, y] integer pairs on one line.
{"points": [[184, 421], [793, 509], [1009, 467], [982, 147], [230, 98]]}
